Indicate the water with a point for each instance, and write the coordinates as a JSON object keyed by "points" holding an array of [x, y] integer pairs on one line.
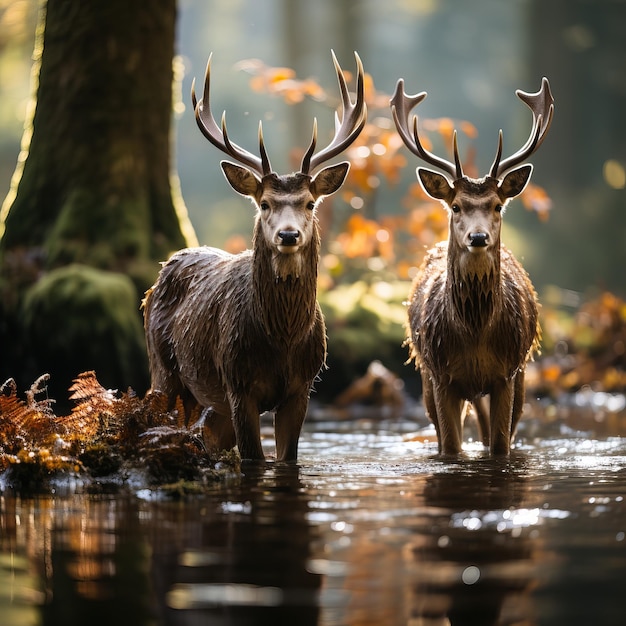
{"points": [[370, 529]]}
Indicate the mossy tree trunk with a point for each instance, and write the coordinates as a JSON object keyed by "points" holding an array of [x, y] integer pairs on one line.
{"points": [[95, 186], [93, 183]]}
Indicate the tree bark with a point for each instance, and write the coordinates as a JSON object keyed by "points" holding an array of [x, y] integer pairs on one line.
{"points": [[95, 186]]}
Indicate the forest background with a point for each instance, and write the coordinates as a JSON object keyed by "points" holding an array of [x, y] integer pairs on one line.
{"points": [[470, 58]]}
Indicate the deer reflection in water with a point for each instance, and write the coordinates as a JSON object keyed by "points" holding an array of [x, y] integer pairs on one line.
{"points": [[479, 568], [338, 541]]}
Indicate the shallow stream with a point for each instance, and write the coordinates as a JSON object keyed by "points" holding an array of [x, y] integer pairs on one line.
{"points": [[371, 528]]}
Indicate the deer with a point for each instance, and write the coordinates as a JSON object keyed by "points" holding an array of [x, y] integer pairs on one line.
{"points": [[472, 316], [239, 335]]}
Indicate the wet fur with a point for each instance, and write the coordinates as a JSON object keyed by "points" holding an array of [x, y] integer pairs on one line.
{"points": [[240, 334], [472, 326]]}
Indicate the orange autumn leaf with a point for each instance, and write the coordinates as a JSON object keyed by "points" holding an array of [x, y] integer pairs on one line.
{"points": [[357, 223], [313, 89], [291, 93], [279, 74], [535, 198], [551, 373]]}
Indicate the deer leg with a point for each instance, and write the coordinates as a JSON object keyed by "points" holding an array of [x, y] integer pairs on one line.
{"points": [[218, 432], [288, 422], [482, 415], [246, 422], [500, 416], [428, 398], [450, 414], [518, 401]]}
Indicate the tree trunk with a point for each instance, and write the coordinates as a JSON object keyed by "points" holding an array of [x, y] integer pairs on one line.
{"points": [[95, 185]]}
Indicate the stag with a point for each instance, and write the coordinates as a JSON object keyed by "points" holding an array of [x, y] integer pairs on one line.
{"points": [[238, 335], [472, 311]]}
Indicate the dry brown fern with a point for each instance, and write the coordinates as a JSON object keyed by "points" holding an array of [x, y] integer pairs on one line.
{"points": [[106, 434], [32, 446], [95, 407], [33, 420], [11, 408]]}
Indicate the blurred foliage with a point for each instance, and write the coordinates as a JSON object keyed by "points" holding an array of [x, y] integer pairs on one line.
{"points": [[105, 437], [364, 321], [582, 348]]}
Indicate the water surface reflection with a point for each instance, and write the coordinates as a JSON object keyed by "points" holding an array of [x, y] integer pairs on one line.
{"points": [[476, 567], [247, 562], [369, 529]]}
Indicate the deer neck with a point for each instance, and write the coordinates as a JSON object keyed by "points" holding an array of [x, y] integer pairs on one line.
{"points": [[473, 285], [285, 288]]}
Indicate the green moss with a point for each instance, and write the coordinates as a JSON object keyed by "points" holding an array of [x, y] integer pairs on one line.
{"points": [[77, 318], [101, 231]]}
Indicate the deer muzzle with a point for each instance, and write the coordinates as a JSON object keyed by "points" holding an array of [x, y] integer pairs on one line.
{"points": [[478, 240], [288, 239]]}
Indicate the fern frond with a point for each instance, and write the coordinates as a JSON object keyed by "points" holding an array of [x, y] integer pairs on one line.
{"points": [[32, 421], [91, 415]]}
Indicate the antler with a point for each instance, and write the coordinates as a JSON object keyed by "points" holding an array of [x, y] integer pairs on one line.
{"points": [[401, 105], [542, 106], [219, 137], [347, 129]]}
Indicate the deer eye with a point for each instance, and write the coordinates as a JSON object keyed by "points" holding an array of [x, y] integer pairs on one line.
{"points": [[498, 208], [310, 205], [456, 208], [264, 205]]}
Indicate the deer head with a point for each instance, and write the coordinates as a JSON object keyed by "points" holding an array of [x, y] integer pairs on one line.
{"points": [[475, 205], [286, 204]]}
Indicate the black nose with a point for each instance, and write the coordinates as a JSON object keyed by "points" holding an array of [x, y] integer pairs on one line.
{"points": [[288, 237], [478, 240]]}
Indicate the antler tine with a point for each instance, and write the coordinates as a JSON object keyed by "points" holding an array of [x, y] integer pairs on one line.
{"points": [[265, 162], [457, 160], [401, 106], [219, 136], [541, 104], [347, 129], [305, 168]]}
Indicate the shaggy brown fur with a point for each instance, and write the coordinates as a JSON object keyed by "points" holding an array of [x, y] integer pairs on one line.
{"points": [[473, 311], [243, 334], [472, 318]]}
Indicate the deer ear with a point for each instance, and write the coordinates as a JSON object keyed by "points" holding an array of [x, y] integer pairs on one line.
{"points": [[515, 181], [436, 185], [242, 180], [329, 179]]}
